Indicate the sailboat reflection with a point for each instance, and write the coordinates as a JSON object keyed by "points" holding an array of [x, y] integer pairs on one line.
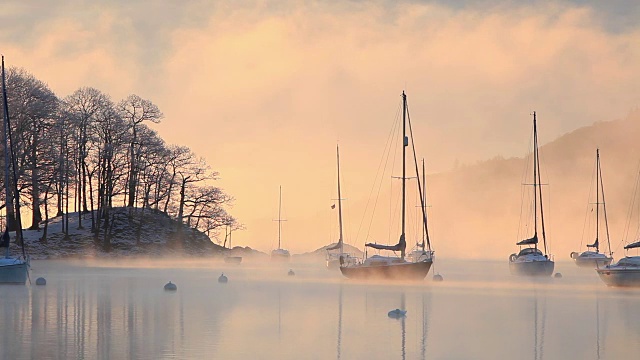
{"points": [[539, 324], [339, 344], [598, 348], [425, 325]]}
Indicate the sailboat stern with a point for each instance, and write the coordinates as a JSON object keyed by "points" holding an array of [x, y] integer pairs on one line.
{"points": [[13, 271], [379, 269]]}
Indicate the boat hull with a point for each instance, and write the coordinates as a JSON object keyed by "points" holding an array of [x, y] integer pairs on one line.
{"points": [[625, 277], [233, 259], [531, 268], [333, 264], [14, 274], [593, 262], [280, 257], [403, 271]]}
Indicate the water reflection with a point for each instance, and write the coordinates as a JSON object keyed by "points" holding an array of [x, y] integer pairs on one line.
{"points": [[125, 314], [339, 343], [540, 316], [426, 297], [597, 325]]}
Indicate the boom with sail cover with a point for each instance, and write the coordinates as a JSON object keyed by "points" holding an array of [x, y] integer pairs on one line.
{"points": [[400, 246], [633, 245], [529, 241]]}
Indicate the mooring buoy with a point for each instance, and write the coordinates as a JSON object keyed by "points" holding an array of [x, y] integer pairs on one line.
{"points": [[170, 286]]}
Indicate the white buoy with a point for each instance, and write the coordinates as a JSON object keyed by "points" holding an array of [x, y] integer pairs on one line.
{"points": [[437, 277], [557, 275], [41, 281], [291, 273], [170, 287], [223, 279], [397, 313]]}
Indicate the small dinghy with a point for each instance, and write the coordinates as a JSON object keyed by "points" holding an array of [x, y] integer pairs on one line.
{"points": [[397, 313]]}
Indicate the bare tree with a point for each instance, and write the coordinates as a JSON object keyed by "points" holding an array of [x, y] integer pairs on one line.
{"points": [[135, 110]]}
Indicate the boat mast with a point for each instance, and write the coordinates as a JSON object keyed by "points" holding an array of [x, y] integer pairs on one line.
{"points": [[537, 164], [535, 179], [339, 202], [405, 142], [279, 216], [597, 200], [5, 112], [425, 231], [9, 148]]}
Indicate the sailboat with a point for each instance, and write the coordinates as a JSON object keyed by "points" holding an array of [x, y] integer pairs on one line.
{"points": [[393, 267], [626, 272], [531, 261], [280, 254], [589, 258], [334, 260], [13, 270], [231, 259]]}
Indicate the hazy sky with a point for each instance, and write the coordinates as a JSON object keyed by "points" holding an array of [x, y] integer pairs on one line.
{"points": [[264, 90]]}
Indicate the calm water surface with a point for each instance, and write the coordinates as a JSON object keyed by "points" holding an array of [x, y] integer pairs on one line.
{"points": [[120, 311]]}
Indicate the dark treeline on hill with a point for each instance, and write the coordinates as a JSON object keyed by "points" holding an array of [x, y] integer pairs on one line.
{"points": [[477, 208], [87, 154]]}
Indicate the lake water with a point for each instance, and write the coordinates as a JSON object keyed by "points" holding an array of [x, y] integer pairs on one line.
{"points": [[120, 311]]}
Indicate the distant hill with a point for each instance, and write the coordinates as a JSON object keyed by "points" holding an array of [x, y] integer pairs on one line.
{"points": [[151, 234], [321, 253], [245, 252], [476, 209]]}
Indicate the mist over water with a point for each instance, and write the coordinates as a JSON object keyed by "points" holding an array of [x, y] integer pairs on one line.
{"points": [[120, 311]]}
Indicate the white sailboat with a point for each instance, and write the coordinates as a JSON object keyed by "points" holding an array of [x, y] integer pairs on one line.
{"points": [[393, 267], [13, 270], [531, 261], [626, 272], [280, 254], [335, 260], [591, 258]]}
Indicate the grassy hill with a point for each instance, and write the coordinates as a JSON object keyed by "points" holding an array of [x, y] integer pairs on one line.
{"points": [[151, 234]]}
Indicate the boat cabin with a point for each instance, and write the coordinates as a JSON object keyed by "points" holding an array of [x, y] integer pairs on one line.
{"points": [[633, 261], [530, 251], [377, 260]]}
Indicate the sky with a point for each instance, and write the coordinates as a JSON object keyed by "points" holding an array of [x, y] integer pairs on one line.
{"points": [[264, 90]]}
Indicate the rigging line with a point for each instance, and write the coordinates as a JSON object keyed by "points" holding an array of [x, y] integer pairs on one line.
{"points": [[524, 192], [586, 215], [604, 208], [544, 236], [389, 137], [625, 232], [415, 161], [391, 197], [393, 217]]}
